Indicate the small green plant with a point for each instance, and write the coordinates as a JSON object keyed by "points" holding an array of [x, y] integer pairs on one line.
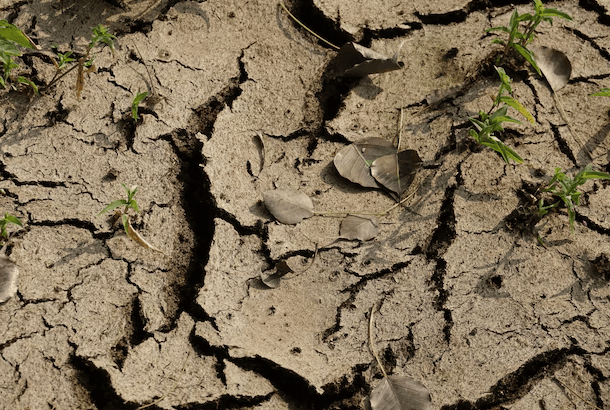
{"points": [[519, 36], [136, 102], [489, 123], [565, 188], [128, 203], [604, 92], [11, 38], [8, 219]]}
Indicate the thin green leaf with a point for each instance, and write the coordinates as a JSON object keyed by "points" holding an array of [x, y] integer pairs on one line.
{"points": [[12, 33], [594, 174], [528, 55], [510, 101], [29, 82], [12, 219], [134, 205], [113, 205], [136, 101], [555, 13], [605, 92]]}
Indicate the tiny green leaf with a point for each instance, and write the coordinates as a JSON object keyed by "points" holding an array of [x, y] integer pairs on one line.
{"points": [[605, 92], [510, 101], [12, 219], [547, 13], [29, 82], [136, 101], [113, 205]]}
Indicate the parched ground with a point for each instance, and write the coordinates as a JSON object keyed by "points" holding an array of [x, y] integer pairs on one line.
{"points": [[469, 302]]}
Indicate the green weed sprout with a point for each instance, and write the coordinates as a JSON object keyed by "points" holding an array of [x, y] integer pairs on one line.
{"points": [[129, 203], [565, 188], [489, 123], [11, 38], [8, 219], [517, 39], [136, 101], [604, 92]]}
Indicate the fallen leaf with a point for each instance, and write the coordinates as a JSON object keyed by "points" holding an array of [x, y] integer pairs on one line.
{"points": [[399, 393], [260, 146], [397, 171], [9, 275], [362, 228], [354, 60], [554, 64], [288, 207], [354, 161], [135, 235], [273, 280]]}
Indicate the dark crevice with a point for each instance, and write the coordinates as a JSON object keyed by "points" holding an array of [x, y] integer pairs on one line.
{"points": [[353, 291], [77, 223], [258, 229], [205, 116], [519, 383], [592, 5], [563, 144], [442, 237], [389, 33], [318, 22], [459, 16], [293, 388], [200, 211], [97, 382], [604, 53], [138, 334], [226, 402]]}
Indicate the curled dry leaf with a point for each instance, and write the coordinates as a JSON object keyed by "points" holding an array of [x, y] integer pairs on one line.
{"points": [[260, 146], [554, 64], [399, 393], [9, 275], [362, 228], [273, 280], [397, 171], [354, 60], [354, 161], [287, 206], [136, 237]]}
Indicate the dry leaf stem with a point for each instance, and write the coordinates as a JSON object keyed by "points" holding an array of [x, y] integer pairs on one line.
{"points": [[307, 28], [371, 341]]}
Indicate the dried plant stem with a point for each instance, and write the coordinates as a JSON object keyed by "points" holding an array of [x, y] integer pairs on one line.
{"points": [[372, 342], [576, 394], [307, 28], [565, 118]]}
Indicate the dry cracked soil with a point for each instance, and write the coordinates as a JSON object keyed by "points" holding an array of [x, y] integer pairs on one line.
{"points": [[470, 303]]}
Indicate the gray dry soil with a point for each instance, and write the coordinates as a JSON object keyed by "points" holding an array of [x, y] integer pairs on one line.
{"points": [[470, 303]]}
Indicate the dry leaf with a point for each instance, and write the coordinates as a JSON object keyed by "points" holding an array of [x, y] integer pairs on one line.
{"points": [[135, 235], [288, 207], [396, 171], [260, 146], [554, 64], [399, 393], [273, 280], [354, 161], [354, 60], [362, 228], [9, 275]]}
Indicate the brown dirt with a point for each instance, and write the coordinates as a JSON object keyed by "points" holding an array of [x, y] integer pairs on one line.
{"points": [[470, 303]]}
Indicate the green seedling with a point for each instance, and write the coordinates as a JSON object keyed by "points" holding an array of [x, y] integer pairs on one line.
{"points": [[136, 102], [8, 219], [519, 36], [64, 60], [604, 92], [565, 188], [128, 203], [488, 123], [11, 38]]}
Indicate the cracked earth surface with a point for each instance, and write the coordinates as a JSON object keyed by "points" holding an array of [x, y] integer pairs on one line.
{"points": [[469, 302]]}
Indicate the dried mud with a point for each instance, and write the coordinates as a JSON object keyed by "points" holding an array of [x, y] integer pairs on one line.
{"points": [[470, 303]]}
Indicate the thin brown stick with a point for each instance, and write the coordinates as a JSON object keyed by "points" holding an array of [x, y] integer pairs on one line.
{"points": [[372, 342], [576, 394]]}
